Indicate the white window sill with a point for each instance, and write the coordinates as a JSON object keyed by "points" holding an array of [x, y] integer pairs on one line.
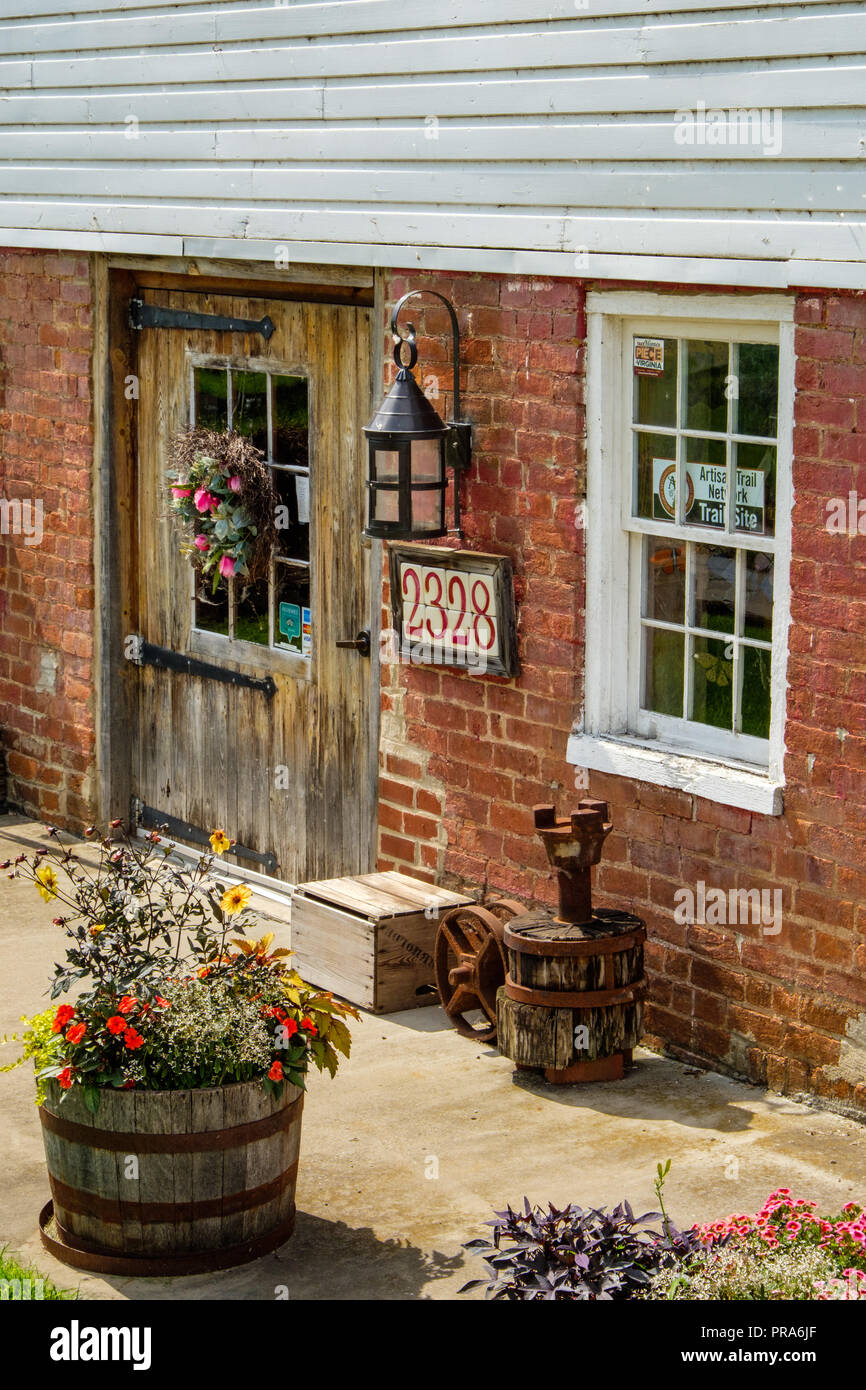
{"points": [[715, 781]]}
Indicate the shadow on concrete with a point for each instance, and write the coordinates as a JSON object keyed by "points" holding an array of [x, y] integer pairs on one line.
{"points": [[655, 1089], [323, 1260]]}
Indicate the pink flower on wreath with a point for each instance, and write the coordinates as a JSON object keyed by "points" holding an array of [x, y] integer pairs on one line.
{"points": [[235, 483], [227, 566], [201, 542], [205, 501], [180, 492]]}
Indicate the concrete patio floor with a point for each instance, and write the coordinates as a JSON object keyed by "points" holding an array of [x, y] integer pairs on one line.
{"points": [[417, 1099]]}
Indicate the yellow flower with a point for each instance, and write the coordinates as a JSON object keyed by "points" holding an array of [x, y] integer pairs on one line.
{"points": [[220, 842], [235, 899], [97, 928], [46, 879]]}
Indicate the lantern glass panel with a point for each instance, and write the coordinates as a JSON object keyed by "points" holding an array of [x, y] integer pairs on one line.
{"points": [[386, 463], [426, 461], [385, 503]]}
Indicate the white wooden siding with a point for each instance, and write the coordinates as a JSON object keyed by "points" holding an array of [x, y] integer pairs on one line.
{"points": [[509, 135]]}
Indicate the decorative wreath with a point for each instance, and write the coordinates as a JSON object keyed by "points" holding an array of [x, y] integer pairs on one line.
{"points": [[223, 493]]}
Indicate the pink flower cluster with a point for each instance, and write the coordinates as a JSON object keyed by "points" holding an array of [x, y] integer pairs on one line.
{"points": [[782, 1219]]}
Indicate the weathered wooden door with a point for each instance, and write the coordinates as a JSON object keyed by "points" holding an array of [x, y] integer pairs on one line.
{"points": [[289, 776]]}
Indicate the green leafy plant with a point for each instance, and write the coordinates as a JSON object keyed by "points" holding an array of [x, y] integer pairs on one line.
{"points": [[23, 1283], [171, 994], [42, 1045]]}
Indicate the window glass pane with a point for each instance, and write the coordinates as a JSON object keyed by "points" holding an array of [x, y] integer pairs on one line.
{"points": [[293, 513], [250, 407], [755, 700], [715, 577], [663, 671], [756, 488], [757, 374], [251, 612], [292, 615], [758, 606], [655, 394], [655, 476], [291, 420], [704, 402], [211, 610], [712, 682], [211, 398], [706, 482], [664, 580]]}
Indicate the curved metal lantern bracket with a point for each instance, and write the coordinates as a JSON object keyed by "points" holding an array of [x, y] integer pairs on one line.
{"points": [[458, 443]]}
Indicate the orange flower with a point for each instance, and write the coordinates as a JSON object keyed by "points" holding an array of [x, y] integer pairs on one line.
{"points": [[309, 1025], [126, 1005], [76, 1033], [133, 1039], [65, 1078], [276, 1072], [116, 1024], [64, 1013]]}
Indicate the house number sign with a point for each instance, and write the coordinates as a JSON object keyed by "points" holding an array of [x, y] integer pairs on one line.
{"points": [[454, 608]]}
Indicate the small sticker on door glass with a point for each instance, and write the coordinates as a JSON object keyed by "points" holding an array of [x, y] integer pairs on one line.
{"points": [[307, 634], [302, 492], [649, 356]]}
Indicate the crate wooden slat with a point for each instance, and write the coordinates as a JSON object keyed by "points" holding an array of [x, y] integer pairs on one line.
{"points": [[369, 937]]}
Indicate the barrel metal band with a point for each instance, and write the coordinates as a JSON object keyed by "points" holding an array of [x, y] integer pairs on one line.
{"points": [[204, 1142], [585, 999], [601, 946], [84, 1254], [82, 1203]]}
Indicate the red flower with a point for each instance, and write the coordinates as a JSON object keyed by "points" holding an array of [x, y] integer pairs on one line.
{"points": [[76, 1033], [128, 1085], [116, 1024], [133, 1039], [65, 1078], [126, 1005], [309, 1025], [163, 1003], [64, 1013], [276, 1072], [290, 1026]]}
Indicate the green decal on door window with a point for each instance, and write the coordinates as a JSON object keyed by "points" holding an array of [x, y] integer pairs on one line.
{"points": [[290, 622]]}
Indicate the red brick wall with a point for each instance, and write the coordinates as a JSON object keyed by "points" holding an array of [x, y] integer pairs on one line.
{"points": [[465, 757], [46, 590]]}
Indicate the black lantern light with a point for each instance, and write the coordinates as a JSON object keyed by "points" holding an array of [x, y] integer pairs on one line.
{"points": [[410, 448]]}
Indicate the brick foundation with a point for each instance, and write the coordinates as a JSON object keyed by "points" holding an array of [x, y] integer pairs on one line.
{"points": [[46, 589], [465, 757]]}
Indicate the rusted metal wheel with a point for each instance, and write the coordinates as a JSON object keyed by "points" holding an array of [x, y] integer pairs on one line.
{"points": [[470, 964]]}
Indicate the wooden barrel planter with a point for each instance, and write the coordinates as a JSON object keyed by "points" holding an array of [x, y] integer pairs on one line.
{"points": [[572, 1002], [170, 1182]]}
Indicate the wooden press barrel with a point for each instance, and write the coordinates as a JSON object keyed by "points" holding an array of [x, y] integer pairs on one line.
{"points": [[572, 1002], [170, 1182]]}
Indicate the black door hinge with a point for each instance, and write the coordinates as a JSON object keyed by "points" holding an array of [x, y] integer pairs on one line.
{"points": [[148, 818], [143, 315], [146, 654]]}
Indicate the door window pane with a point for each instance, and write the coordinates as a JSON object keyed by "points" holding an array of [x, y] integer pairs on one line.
{"points": [[251, 612], [211, 398], [211, 609], [292, 613], [291, 420], [250, 407]]}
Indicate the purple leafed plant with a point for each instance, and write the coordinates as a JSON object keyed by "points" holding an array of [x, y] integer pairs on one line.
{"points": [[576, 1252]]}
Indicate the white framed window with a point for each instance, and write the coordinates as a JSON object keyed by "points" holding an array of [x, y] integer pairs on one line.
{"points": [[689, 434]]}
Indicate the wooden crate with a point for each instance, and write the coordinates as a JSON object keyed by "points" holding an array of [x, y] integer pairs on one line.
{"points": [[370, 937]]}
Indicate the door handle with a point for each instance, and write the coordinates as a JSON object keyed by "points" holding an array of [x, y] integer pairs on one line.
{"points": [[361, 643]]}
